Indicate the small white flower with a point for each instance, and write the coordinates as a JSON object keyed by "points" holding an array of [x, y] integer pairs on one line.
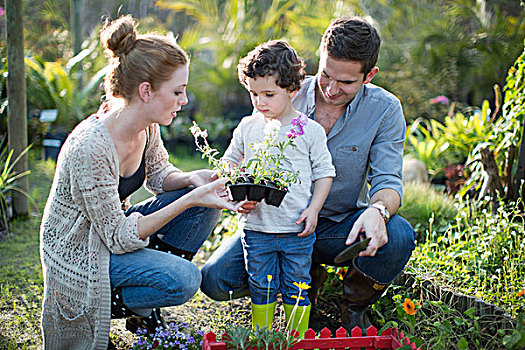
{"points": [[271, 128]]}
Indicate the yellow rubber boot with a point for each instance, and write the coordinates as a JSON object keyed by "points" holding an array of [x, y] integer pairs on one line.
{"points": [[300, 316], [262, 315]]}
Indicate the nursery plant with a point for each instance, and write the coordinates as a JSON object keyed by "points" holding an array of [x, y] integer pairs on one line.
{"points": [[262, 176]]}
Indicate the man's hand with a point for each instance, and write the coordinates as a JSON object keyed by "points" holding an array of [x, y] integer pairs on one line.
{"points": [[310, 216], [373, 225]]}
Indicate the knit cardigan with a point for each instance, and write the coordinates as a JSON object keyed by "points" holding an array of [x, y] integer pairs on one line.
{"points": [[83, 222]]}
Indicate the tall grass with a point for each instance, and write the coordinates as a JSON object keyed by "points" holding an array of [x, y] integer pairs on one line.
{"points": [[481, 254], [423, 204]]}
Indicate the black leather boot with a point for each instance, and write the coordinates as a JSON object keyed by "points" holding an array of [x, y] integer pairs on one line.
{"points": [[318, 276], [158, 244], [149, 323], [135, 321], [359, 292]]}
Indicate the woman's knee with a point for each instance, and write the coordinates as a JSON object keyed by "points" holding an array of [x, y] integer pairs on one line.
{"points": [[184, 284]]}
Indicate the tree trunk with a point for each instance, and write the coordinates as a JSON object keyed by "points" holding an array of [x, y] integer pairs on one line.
{"points": [[494, 181], [16, 94], [76, 25], [520, 172]]}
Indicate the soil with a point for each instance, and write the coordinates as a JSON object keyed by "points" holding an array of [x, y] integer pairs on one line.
{"points": [[208, 315]]}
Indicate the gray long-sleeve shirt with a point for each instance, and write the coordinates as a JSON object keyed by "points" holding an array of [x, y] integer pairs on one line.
{"points": [[310, 157], [366, 144]]}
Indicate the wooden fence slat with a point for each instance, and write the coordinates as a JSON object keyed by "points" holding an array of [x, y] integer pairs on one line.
{"points": [[356, 332]]}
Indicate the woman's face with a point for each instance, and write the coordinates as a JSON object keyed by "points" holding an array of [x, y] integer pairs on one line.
{"points": [[169, 97]]}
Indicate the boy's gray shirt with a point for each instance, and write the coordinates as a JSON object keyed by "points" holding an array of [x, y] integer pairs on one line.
{"points": [[311, 157], [366, 144]]}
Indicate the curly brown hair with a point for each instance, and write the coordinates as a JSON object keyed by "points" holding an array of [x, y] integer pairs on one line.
{"points": [[135, 58], [352, 39], [273, 58]]}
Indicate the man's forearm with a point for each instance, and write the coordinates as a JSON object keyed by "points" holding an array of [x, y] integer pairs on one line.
{"points": [[389, 198]]}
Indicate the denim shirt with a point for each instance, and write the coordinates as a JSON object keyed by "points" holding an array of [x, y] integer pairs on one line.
{"points": [[366, 144]]}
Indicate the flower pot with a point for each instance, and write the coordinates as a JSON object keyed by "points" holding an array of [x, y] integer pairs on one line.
{"points": [[238, 191], [274, 196], [256, 192]]}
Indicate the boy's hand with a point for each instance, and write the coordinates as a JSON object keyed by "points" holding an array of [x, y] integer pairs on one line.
{"points": [[247, 207], [309, 216]]}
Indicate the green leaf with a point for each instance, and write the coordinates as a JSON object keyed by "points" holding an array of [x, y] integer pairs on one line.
{"points": [[462, 344]]}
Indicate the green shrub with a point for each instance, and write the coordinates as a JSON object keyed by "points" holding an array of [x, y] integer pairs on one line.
{"points": [[423, 204]]}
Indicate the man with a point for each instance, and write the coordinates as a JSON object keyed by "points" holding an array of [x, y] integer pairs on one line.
{"points": [[366, 129]]}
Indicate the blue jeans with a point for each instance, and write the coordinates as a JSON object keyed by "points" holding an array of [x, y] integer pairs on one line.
{"points": [[224, 271], [286, 257], [151, 278]]}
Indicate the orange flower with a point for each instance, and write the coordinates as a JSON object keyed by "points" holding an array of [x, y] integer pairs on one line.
{"points": [[521, 293], [409, 307], [341, 272]]}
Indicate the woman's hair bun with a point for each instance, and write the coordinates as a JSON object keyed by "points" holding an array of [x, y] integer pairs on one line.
{"points": [[119, 36]]}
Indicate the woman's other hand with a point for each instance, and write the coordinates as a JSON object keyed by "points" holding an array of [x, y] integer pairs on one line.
{"points": [[202, 177], [209, 195]]}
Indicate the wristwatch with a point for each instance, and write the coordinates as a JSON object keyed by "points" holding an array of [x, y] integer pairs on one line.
{"points": [[382, 210]]}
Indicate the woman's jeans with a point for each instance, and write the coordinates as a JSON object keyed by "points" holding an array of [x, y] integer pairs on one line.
{"points": [[150, 278], [224, 271], [285, 257]]}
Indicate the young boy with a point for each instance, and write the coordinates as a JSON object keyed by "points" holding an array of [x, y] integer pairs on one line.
{"points": [[278, 241]]}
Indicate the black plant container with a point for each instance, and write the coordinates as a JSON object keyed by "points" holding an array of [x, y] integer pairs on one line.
{"points": [[274, 196], [238, 191], [256, 192]]}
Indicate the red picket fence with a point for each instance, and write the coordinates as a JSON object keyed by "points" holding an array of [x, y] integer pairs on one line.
{"points": [[389, 339]]}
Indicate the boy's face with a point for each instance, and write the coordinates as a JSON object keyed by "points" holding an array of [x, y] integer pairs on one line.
{"points": [[271, 100], [340, 80]]}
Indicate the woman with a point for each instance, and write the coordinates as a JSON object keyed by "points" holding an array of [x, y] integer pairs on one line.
{"points": [[89, 244]]}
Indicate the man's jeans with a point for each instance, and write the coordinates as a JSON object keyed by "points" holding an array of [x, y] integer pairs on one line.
{"points": [[156, 279], [224, 271], [286, 257]]}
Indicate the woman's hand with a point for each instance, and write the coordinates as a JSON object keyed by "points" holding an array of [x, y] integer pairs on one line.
{"points": [[209, 195], [202, 177]]}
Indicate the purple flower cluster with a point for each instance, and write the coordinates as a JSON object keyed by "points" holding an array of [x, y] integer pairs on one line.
{"points": [[175, 336], [297, 128]]}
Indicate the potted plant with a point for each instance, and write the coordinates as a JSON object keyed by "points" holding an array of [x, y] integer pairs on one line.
{"points": [[264, 175]]}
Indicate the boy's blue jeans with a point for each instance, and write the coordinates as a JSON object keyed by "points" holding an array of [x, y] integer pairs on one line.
{"points": [[224, 271], [286, 257], [151, 278]]}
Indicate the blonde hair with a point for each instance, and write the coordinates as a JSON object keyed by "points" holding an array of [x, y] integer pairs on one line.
{"points": [[135, 58]]}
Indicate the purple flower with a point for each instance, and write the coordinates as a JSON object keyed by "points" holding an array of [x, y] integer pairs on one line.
{"points": [[300, 121], [439, 99], [2, 11]]}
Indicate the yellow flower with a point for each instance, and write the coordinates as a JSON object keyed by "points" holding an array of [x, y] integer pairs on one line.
{"points": [[302, 285], [269, 277], [297, 297], [409, 307], [521, 293]]}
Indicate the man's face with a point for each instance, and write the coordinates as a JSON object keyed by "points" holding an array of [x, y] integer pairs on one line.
{"points": [[340, 80]]}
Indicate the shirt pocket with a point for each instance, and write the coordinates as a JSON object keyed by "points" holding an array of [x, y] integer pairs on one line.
{"points": [[350, 163]]}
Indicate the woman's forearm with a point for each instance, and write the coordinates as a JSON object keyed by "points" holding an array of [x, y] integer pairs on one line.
{"points": [[151, 223]]}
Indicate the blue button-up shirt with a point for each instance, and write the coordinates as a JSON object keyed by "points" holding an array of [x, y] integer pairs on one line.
{"points": [[366, 144]]}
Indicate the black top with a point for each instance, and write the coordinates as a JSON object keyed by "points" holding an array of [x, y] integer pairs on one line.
{"points": [[128, 185]]}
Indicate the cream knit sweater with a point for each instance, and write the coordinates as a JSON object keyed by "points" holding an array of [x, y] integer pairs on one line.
{"points": [[83, 222]]}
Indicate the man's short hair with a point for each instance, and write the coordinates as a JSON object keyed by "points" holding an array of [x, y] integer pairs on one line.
{"points": [[273, 58], [352, 39]]}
